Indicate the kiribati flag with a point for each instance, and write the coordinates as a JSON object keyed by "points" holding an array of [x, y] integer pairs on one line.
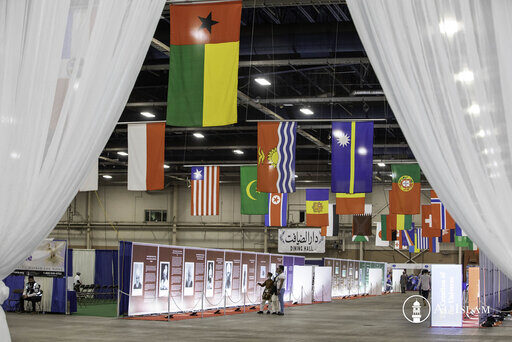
{"points": [[352, 157], [276, 157]]}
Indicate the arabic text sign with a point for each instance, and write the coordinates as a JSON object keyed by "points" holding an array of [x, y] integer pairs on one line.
{"points": [[301, 240]]}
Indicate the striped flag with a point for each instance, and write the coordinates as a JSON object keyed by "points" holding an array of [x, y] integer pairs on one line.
{"points": [[317, 207], [334, 223], [408, 238], [422, 242], [379, 241], [388, 227], [441, 219], [433, 244], [448, 235], [146, 153], [277, 210], [205, 190], [404, 222], [350, 204], [276, 157]]}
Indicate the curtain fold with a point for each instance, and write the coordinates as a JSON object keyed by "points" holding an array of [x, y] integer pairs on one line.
{"points": [[66, 70], [445, 68], [84, 261]]}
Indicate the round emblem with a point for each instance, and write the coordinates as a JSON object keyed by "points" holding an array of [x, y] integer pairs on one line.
{"points": [[406, 183], [276, 199], [318, 207]]}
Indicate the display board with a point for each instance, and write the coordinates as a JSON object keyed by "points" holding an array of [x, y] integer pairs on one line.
{"points": [[446, 296], [288, 269], [395, 278], [322, 283], [301, 240], [473, 287], [302, 286], [48, 259], [375, 280], [181, 279]]}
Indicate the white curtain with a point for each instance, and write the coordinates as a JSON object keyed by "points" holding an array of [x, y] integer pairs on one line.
{"points": [[84, 261], [446, 69], [66, 70]]}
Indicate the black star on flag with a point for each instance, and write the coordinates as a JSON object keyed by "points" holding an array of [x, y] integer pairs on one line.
{"points": [[207, 22]]}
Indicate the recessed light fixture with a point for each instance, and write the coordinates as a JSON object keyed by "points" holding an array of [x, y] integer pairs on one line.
{"points": [[449, 27], [306, 111], [147, 114], [287, 105], [381, 164], [262, 81], [198, 135], [122, 153], [166, 166], [465, 76], [107, 176], [238, 151]]}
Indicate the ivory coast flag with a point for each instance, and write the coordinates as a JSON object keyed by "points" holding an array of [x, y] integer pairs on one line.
{"points": [[203, 63]]}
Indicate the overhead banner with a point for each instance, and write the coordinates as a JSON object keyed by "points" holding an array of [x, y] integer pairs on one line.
{"points": [[47, 259], [301, 240]]}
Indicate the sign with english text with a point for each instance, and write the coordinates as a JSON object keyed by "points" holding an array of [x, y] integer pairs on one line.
{"points": [[301, 240]]}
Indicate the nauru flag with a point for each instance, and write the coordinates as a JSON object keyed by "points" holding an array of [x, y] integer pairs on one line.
{"points": [[146, 147]]}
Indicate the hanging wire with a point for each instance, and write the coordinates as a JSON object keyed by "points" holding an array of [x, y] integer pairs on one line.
{"points": [[334, 66], [250, 57]]}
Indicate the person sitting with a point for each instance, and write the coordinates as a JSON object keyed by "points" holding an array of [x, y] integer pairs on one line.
{"points": [[31, 293], [77, 282], [266, 297]]}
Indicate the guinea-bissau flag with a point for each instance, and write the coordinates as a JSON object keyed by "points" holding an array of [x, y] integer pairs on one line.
{"points": [[203, 63], [404, 197], [252, 202]]}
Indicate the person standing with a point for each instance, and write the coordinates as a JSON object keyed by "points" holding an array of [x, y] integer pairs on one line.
{"points": [[403, 281], [424, 285], [31, 293], [77, 282], [279, 283], [269, 290]]}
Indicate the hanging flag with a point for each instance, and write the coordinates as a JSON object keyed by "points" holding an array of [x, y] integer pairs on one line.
{"points": [[362, 225], [388, 227], [203, 63], [433, 244], [379, 241], [403, 222], [350, 204], [352, 157], [408, 237], [404, 197], [90, 182], [441, 219], [252, 202], [205, 190], [423, 242], [334, 222], [472, 245], [448, 235], [317, 207], [146, 154], [360, 238], [427, 223], [276, 156], [461, 241], [398, 242], [277, 210]]}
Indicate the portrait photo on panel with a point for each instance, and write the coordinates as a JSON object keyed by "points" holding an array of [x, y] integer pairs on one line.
{"points": [[228, 276], [244, 278], [263, 272], [189, 279], [138, 278], [163, 288], [209, 277]]}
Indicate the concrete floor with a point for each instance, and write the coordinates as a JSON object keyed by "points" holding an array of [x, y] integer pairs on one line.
{"points": [[366, 319]]}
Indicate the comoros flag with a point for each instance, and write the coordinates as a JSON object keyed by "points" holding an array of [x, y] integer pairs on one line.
{"points": [[276, 157]]}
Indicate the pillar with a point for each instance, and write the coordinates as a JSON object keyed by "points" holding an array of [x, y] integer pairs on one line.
{"points": [[175, 215]]}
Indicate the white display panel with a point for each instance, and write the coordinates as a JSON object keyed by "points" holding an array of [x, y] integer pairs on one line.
{"points": [[395, 278], [302, 286], [322, 284], [446, 296], [375, 277]]}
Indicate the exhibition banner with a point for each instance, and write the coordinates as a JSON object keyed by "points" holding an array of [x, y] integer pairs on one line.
{"points": [[48, 259], [214, 277], [143, 289], [302, 288], [263, 266], [322, 284], [375, 281], [193, 284], [232, 278], [249, 278], [447, 307], [301, 240], [288, 269]]}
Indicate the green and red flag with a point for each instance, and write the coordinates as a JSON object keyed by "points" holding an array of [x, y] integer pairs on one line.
{"points": [[203, 63], [388, 226], [252, 202], [404, 197]]}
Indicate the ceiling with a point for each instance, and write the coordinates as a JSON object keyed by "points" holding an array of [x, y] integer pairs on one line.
{"points": [[313, 58]]}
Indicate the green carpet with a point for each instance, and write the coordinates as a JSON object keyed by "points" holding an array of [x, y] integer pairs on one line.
{"points": [[101, 310]]}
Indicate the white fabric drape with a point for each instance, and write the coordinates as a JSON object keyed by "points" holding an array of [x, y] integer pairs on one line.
{"points": [[66, 70], [445, 67], [84, 261]]}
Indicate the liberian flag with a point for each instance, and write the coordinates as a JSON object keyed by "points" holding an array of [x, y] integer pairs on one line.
{"points": [[276, 157], [277, 210], [205, 190], [441, 219], [146, 147]]}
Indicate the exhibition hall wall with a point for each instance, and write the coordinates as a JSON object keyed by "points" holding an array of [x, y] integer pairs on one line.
{"points": [[164, 278], [495, 287]]}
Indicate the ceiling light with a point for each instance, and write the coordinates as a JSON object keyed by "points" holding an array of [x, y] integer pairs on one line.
{"points": [[465, 76], [381, 164], [296, 176], [166, 166], [481, 133], [287, 104], [122, 153], [306, 111], [107, 176], [262, 81], [449, 27], [366, 92], [238, 151], [147, 114], [474, 109], [198, 135]]}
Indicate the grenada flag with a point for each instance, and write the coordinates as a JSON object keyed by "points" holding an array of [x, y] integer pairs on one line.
{"points": [[203, 63]]}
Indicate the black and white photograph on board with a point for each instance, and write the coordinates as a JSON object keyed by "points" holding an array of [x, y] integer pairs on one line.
{"points": [[273, 268], [189, 279], [209, 278], [228, 277], [244, 278], [138, 278], [163, 288], [263, 272]]}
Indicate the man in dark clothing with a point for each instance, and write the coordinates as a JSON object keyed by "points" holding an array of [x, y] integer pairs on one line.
{"points": [[31, 293], [403, 281]]}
